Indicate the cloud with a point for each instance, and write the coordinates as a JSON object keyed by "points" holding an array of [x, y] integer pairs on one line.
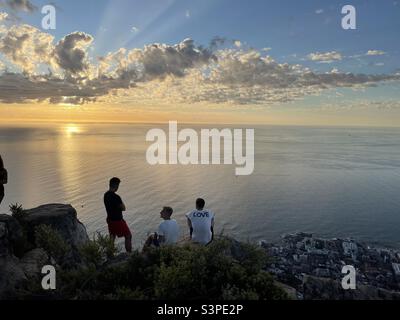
{"points": [[135, 29], [237, 43], [375, 53], [217, 41], [119, 70], [327, 57], [250, 78], [159, 60], [159, 73], [26, 47], [70, 53], [362, 104], [20, 5], [3, 16]]}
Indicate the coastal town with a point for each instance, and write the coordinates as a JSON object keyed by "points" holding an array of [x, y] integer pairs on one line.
{"points": [[297, 257]]}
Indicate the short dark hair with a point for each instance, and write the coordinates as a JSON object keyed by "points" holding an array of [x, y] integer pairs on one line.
{"points": [[114, 182], [200, 203], [168, 210]]}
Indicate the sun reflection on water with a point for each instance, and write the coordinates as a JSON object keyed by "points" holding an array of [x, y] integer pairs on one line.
{"points": [[72, 129]]}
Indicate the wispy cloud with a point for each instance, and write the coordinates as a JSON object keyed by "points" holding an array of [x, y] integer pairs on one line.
{"points": [[135, 29], [375, 53], [237, 43], [325, 57], [3, 16]]}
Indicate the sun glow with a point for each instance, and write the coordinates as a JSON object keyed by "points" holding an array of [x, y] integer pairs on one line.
{"points": [[72, 129]]}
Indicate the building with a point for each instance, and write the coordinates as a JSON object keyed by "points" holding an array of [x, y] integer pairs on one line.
{"points": [[396, 269]]}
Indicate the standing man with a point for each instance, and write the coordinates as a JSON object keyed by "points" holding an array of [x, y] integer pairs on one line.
{"points": [[117, 226], [201, 223], [3, 179]]}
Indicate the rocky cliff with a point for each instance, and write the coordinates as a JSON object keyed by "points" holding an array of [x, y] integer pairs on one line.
{"points": [[21, 260]]}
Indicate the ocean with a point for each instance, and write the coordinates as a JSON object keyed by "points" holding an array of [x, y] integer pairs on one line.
{"points": [[330, 181]]}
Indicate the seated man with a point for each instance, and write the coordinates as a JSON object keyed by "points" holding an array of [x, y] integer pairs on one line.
{"points": [[168, 231], [117, 226], [201, 224]]}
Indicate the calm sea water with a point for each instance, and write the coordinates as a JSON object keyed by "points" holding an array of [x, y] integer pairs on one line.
{"points": [[334, 182]]}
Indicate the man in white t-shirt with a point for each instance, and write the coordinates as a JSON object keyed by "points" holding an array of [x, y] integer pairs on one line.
{"points": [[201, 223], [168, 231]]}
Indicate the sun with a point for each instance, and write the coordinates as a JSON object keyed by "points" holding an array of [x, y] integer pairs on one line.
{"points": [[72, 129]]}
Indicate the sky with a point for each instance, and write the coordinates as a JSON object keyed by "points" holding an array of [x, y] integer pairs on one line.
{"points": [[259, 61]]}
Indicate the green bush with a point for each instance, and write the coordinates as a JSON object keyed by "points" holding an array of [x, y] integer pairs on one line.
{"points": [[189, 272], [98, 250], [51, 241]]}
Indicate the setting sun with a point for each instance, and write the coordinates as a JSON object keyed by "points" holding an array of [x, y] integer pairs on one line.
{"points": [[72, 129]]}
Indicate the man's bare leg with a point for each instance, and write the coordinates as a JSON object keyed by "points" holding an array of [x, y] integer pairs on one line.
{"points": [[128, 244]]}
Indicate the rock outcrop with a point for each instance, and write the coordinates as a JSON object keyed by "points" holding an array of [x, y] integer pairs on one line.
{"points": [[20, 260], [62, 218], [10, 233]]}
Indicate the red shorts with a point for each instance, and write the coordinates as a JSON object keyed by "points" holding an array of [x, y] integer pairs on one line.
{"points": [[118, 228]]}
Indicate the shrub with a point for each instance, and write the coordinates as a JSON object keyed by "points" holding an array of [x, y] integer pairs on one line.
{"points": [[20, 244], [51, 241], [98, 250], [187, 272], [17, 211]]}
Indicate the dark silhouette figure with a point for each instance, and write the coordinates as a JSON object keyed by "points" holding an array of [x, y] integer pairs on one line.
{"points": [[3, 179], [117, 226]]}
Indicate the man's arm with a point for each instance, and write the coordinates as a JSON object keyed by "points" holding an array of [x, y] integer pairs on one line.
{"points": [[190, 227], [122, 204], [161, 234], [161, 239]]}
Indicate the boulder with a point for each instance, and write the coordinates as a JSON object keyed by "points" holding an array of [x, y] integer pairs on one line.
{"points": [[33, 261], [15, 273], [62, 218], [20, 261], [12, 277]]}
